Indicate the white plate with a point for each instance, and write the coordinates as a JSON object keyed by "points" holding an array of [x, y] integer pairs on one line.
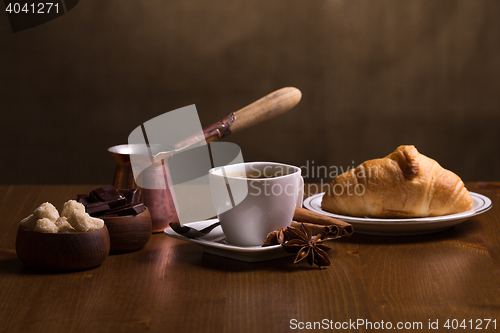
{"points": [[403, 227], [214, 243]]}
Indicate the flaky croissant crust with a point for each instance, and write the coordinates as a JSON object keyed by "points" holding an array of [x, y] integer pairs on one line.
{"points": [[403, 184]]}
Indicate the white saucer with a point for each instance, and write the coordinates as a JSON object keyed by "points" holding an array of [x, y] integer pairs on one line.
{"points": [[403, 227], [214, 243]]}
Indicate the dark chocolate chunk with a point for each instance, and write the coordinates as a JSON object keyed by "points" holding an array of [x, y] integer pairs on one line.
{"points": [[126, 210], [95, 209], [84, 199], [117, 203], [108, 201], [133, 196], [107, 194]]}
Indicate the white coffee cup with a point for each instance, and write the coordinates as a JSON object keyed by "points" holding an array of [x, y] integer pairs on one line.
{"points": [[250, 207]]}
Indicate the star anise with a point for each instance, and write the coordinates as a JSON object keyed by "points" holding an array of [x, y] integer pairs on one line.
{"points": [[306, 247]]}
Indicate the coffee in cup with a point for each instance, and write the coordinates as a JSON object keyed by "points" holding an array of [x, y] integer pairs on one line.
{"points": [[253, 199]]}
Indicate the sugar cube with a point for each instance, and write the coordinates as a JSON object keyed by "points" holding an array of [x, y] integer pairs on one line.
{"points": [[63, 225], [83, 222], [45, 225], [70, 206]]}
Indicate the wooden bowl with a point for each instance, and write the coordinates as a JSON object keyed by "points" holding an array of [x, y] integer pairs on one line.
{"points": [[62, 252], [129, 233]]}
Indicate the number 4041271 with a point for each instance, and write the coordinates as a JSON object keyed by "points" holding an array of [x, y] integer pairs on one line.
{"points": [[477, 324], [33, 8]]}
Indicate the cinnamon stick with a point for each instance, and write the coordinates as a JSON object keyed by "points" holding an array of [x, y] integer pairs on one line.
{"points": [[323, 226], [305, 215], [330, 231]]}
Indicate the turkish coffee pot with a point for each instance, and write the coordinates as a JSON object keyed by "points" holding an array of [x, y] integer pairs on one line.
{"points": [[159, 200]]}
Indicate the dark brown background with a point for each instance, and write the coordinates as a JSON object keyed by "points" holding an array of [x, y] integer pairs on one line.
{"points": [[374, 75]]}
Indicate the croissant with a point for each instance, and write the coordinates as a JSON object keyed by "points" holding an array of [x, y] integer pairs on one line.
{"points": [[404, 184]]}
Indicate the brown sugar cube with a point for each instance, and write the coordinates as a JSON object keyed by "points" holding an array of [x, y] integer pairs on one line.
{"points": [[45, 210], [29, 222], [45, 225], [70, 206], [83, 222], [63, 225]]}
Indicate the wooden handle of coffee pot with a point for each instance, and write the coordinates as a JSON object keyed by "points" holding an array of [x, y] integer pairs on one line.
{"points": [[267, 107]]}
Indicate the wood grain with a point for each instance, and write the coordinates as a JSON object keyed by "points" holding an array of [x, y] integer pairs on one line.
{"points": [[172, 286]]}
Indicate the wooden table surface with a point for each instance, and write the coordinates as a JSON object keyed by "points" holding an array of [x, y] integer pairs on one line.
{"points": [[172, 286]]}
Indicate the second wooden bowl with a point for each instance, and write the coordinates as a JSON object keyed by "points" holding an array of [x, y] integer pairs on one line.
{"points": [[129, 233]]}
